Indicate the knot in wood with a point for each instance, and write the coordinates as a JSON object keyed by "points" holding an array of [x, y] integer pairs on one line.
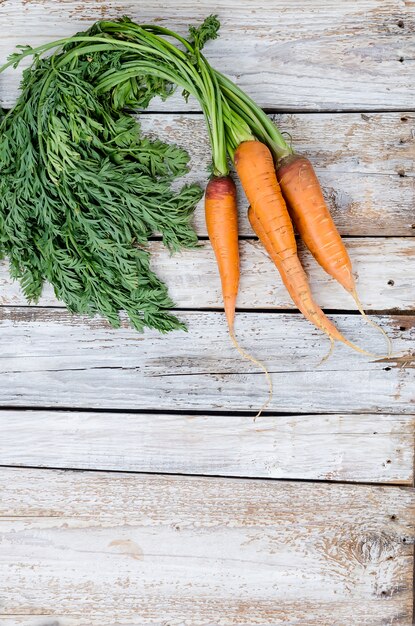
{"points": [[374, 547]]}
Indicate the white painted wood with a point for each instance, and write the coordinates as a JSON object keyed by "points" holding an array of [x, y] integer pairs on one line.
{"points": [[112, 549], [53, 359], [385, 270], [321, 55], [323, 447]]}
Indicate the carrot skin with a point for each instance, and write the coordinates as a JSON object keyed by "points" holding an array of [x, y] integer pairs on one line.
{"points": [[221, 215], [296, 283], [255, 167], [312, 218], [270, 220]]}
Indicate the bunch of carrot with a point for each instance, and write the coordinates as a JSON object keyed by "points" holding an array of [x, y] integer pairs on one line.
{"points": [[282, 189]]}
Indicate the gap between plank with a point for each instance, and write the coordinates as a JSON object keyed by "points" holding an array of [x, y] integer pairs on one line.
{"points": [[262, 311], [278, 111], [186, 412], [226, 477], [268, 111], [253, 238]]}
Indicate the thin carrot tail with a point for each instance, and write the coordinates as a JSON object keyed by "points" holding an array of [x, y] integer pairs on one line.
{"points": [[371, 322], [353, 346], [249, 357], [334, 334], [338, 336], [329, 353]]}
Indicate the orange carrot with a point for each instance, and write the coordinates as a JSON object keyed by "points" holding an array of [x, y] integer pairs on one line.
{"points": [[270, 219], [222, 225], [312, 218], [221, 215]]}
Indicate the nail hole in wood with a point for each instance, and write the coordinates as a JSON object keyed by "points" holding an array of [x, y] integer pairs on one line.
{"points": [[388, 460], [402, 328], [404, 540], [375, 432], [404, 118], [393, 517], [400, 23], [391, 282], [387, 369], [401, 141], [401, 59]]}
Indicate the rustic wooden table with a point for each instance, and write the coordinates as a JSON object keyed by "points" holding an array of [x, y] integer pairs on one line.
{"points": [[174, 519]]}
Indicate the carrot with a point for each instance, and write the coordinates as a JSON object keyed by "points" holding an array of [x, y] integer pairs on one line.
{"points": [[312, 218], [221, 215], [222, 225], [270, 219], [220, 198]]}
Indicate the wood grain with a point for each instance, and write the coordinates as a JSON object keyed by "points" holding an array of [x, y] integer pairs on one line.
{"points": [[365, 163], [313, 447], [141, 549], [53, 359], [385, 271], [336, 55]]}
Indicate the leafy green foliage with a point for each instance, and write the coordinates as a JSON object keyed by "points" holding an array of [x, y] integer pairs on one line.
{"points": [[81, 190], [208, 30]]}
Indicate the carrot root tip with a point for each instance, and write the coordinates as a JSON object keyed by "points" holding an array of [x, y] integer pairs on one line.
{"points": [[371, 322], [329, 353]]}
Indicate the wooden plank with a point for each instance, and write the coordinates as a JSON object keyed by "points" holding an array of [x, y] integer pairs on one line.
{"points": [[323, 55], [142, 549], [53, 359], [314, 447], [385, 270]]}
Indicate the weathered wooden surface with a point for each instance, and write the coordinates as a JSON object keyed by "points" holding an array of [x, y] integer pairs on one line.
{"points": [[141, 549], [385, 270], [51, 358], [365, 163], [94, 549], [320, 55], [323, 447]]}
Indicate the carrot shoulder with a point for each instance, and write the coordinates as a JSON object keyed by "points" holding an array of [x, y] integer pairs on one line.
{"points": [[255, 167]]}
